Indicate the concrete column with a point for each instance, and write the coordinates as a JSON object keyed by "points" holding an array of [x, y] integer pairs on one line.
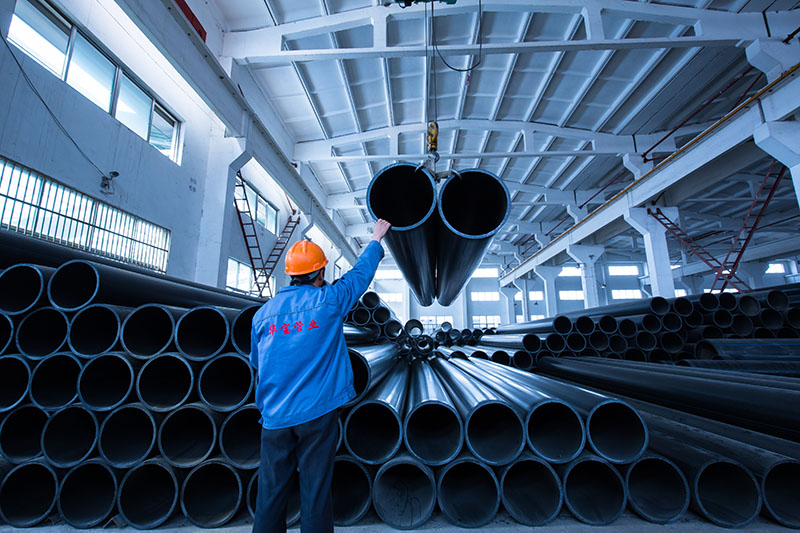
{"points": [[587, 256], [406, 300], [507, 313], [548, 274], [752, 272], [773, 57], [655, 247], [781, 140], [526, 303]]}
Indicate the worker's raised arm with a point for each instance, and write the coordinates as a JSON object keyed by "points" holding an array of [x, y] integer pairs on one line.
{"points": [[355, 282]]}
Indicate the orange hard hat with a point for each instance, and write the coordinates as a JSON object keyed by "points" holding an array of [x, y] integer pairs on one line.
{"points": [[304, 257]]}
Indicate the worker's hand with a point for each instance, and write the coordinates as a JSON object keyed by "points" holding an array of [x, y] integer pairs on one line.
{"points": [[380, 229]]}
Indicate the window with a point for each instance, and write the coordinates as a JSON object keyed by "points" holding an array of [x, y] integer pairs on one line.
{"points": [[717, 291], [391, 297], [776, 268], [432, 322], [570, 271], [46, 36], [680, 293], [485, 273], [518, 297], [35, 205], [490, 296], [673, 267], [626, 294], [623, 270], [266, 214], [485, 321], [41, 33], [388, 273], [536, 296], [240, 277], [520, 318], [570, 295], [537, 317]]}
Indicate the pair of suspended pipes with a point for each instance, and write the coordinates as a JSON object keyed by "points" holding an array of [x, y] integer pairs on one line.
{"points": [[438, 237]]}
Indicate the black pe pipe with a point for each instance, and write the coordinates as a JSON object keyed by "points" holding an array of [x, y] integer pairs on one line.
{"points": [[404, 492], [528, 342], [373, 429], [522, 360], [494, 430], [371, 300], [241, 327], [755, 366], [211, 494], [723, 491], [165, 382], [203, 332], [558, 324], [240, 438], [501, 357], [292, 507], [88, 494], [28, 494], [405, 195], [106, 381], [392, 329], [149, 330], [656, 306], [361, 316], [21, 434], [657, 489], [225, 382], [414, 328], [468, 492], [593, 490], [354, 335], [69, 437], [370, 364], [79, 283], [381, 315], [531, 491], [22, 287], [432, 428], [553, 429], [148, 494], [42, 332], [423, 344], [767, 409], [54, 382], [681, 306], [95, 329], [188, 435], [473, 206], [6, 332], [128, 435], [351, 490]]}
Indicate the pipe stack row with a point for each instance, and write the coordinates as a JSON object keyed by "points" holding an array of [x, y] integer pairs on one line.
{"points": [[438, 237]]}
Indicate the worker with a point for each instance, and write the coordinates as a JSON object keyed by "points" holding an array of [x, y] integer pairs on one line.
{"points": [[304, 378]]}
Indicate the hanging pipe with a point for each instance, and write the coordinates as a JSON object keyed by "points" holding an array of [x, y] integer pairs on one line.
{"points": [[6, 332], [370, 364], [657, 489], [149, 330], [241, 327], [762, 408], [494, 430], [69, 436], [594, 491], [405, 195], [404, 492], [22, 288], [94, 330], [88, 494], [468, 492], [211, 494], [21, 434], [148, 494], [531, 491], [106, 382], [203, 332], [553, 429], [28, 494], [558, 324], [165, 382], [473, 206], [240, 438], [225, 382], [373, 429], [188, 435], [42, 332], [54, 382], [351, 490], [128, 435], [432, 428]]}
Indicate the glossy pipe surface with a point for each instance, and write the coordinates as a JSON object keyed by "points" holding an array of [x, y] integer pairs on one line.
{"points": [[352, 490], [522, 360], [188, 435], [28, 494], [106, 382], [406, 197], [42, 332], [473, 206], [370, 364], [748, 349], [88, 494], [755, 366], [21, 434], [432, 428], [531, 491], [225, 382], [148, 494], [468, 492], [657, 489], [211, 494], [6, 332], [165, 382], [69, 436], [594, 491], [203, 332], [558, 324], [241, 328], [240, 437], [95, 329], [527, 342], [404, 492], [127, 435], [149, 330], [354, 335], [54, 382]]}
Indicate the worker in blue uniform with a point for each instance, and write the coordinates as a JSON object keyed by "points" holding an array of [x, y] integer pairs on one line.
{"points": [[304, 377]]}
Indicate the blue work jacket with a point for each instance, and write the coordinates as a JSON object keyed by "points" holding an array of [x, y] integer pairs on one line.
{"points": [[298, 347]]}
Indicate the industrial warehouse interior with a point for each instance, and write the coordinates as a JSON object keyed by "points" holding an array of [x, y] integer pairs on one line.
{"points": [[588, 312]]}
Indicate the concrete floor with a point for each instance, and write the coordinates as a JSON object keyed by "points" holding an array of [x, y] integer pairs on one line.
{"points": [[628, 523]]}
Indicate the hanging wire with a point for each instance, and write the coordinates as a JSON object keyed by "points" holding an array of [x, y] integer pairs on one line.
{"points": [[480, 41]]}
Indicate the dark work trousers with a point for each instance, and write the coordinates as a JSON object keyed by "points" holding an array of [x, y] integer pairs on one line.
{"points": [[311, 447]]}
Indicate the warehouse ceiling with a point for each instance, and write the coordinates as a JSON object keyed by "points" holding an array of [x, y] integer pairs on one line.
{"points": [[559, 93]]}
